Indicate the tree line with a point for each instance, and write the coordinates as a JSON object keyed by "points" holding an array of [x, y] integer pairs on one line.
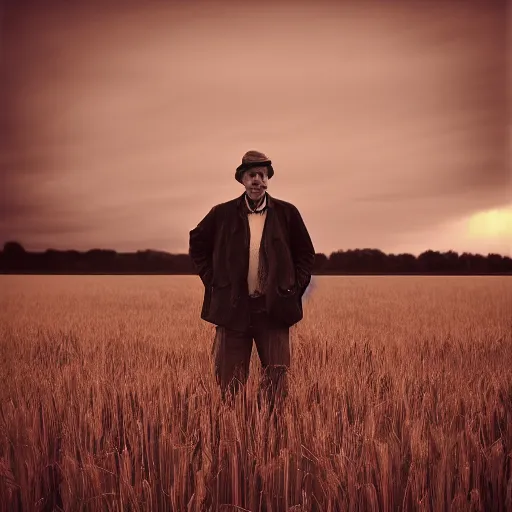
{"points": [[14, 259]]}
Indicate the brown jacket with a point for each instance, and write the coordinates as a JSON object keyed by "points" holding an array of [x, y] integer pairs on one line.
{"points": [[219, 248]]}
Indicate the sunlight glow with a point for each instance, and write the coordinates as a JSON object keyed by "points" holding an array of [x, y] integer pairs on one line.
{"points": [[495, 223]]}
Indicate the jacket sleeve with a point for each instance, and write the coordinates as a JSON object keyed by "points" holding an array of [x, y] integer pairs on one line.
{"points": [[201, 247], [303, 252]]}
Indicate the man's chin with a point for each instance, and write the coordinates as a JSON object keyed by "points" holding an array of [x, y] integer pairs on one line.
{"points": [[253, 194]]}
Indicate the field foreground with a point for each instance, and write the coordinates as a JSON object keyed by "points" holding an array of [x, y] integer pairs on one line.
{"points": [[400, 399]]}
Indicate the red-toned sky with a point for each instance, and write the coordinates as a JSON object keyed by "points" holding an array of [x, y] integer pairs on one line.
{"points": [[121, 123]]}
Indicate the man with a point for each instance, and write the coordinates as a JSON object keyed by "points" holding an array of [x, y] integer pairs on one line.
{"points": [[254, 256]]}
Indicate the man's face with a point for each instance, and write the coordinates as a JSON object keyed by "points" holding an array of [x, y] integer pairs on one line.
{"points": [[255, 181]]}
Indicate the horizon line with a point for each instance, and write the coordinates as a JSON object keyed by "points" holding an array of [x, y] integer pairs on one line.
{"points": [[316, 252]]}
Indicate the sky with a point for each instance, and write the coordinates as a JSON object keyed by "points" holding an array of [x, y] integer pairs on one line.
{"points": [[122, 123]]}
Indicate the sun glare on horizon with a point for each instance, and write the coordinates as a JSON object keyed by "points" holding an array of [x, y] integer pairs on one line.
{"points": [[496, 223]]}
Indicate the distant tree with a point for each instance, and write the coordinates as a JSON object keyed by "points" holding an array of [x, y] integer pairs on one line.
{"points": [[400, 263], [371, 260], [407, 262], [450, 261], [465, 262], [320, 262], [479, 264], [101, 260], [14, 257], [430, 261], [473, 263], [496, 263], [337, 261], [13, 249]]}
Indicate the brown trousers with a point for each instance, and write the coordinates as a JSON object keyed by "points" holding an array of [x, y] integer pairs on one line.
{"points": [[232, 354]]}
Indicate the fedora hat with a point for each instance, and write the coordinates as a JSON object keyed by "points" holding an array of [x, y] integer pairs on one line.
{"points": [[253, 159]]}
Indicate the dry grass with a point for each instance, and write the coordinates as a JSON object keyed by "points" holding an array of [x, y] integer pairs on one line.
{"points": [[400, 399]]}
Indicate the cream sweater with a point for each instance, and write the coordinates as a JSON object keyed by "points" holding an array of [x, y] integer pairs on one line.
{"points": [[256, 225]]}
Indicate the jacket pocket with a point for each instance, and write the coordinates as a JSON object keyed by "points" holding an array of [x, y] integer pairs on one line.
{"points": [[287, 306], [220, 302], [286, 292]]}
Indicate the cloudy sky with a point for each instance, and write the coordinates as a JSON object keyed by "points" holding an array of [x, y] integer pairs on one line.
{"points": [[122, 123]]}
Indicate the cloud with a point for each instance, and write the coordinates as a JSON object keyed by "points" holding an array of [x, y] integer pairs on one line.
{"points": [[124, 128]]}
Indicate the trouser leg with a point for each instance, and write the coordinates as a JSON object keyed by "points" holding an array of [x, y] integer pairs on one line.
{"points": [[273, 346], [232, 356]]}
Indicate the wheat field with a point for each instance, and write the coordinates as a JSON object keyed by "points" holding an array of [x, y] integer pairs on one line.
{"points": [[400, 399]]}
